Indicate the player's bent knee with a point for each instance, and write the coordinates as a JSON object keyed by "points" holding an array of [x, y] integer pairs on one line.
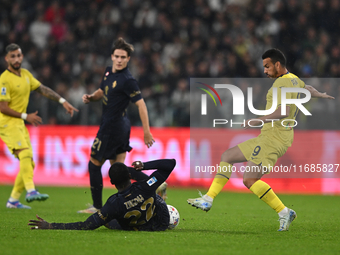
{"points": [[26, 153], [225, 156]]}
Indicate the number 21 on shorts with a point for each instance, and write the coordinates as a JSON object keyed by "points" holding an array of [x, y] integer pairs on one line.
{"points": [[97, 143]]}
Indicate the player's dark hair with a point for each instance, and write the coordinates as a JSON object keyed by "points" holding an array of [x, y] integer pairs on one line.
{"points": [[276, 56], [12, 47], [119, 174], [121, 44]]}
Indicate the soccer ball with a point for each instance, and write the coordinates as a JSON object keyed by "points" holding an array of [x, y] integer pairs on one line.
{"points": [[174, 217]]}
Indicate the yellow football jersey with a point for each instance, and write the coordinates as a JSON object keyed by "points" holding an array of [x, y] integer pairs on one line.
{"points": [[16, 91], [283, 132]]}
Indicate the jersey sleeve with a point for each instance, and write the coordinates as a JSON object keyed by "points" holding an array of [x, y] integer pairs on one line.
{"points": [[132, 90], [164, 168], [33, 81], [106, 73], [100, 218], [109, 211], [5, 90]]}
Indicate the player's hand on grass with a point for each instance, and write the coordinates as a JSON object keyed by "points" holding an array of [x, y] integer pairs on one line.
{"points": [[148, 140], [138, 165], [34, 119], [87, 98], [69, 108], [39, 224]]}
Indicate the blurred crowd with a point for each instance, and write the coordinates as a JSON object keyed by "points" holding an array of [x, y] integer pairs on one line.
{"points": [[67, 45]]}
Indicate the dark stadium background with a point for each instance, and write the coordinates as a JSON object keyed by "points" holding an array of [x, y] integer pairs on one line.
{"points": [[67, 46]]}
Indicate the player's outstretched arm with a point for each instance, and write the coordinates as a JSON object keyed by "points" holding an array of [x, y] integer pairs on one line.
{"points": [[317, 94], [90, 224], [165, 165], [95, 96], [143, 114], [50, 94], [32, 118], [39, 224]]}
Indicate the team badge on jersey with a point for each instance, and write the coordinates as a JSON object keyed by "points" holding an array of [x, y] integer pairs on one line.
{"points": [[3, 91], [152, 181], [294, 82], [114, 84], [107, 73]]}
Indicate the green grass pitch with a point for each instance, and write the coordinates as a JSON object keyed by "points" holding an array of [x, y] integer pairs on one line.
{"points": [[238, 223]]}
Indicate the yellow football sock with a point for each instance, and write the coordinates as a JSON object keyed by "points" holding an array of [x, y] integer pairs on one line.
{"points": [[18, 187], [266, 194], [26, 170], [221, 178]]}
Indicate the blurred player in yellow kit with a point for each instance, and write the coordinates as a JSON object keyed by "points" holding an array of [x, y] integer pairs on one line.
{"points": [[16, 84], [262, 152]]}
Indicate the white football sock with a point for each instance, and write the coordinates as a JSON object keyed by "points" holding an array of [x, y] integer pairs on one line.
{"points": [[207, 198], [283, 212]]}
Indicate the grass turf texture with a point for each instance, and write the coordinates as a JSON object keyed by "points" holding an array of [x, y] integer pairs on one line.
{"points": [[238, 223]]}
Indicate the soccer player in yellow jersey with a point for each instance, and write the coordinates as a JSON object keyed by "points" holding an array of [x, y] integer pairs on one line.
{"points": [[16, 84], [262, 152]]}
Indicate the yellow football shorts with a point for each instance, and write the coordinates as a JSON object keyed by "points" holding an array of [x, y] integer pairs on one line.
{"points": [[15, 137], [263, 150]]}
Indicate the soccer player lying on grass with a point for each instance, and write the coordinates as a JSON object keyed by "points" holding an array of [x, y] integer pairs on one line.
{"points": [[263, 151], [136, 206]]}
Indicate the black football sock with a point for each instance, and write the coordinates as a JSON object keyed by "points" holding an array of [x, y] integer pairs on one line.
{"points": [[96, 182]]}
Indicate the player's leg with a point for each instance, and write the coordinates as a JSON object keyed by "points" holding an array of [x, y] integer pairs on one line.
{"points": [[119, 158], [96, 181], [9, 135], [18, 188], [18, 142], [99, 149], [252, 180], [26, 169], [24, 180], [228, 158], [96, 185], [27, 155]]}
